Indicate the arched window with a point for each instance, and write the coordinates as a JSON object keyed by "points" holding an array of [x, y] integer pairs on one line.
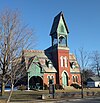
{"points": [[72, 65], [62, 41], [50, 79], [61, 60], [49, 64], [64, 61], [77, 79], [73, 78]]}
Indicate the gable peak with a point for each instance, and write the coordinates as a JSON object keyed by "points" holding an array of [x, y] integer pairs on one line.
{"points": [[56, 23]]}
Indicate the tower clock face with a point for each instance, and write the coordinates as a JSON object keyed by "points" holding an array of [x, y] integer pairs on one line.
{"points": [[55, 41]]}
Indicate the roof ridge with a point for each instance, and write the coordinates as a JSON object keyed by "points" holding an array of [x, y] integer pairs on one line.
{"points": [[38, 51]]}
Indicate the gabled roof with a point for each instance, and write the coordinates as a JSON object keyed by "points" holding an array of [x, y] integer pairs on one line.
{"points": [[56, 23], [31, 60], [31, 55], [95, 78], [72, 57]]}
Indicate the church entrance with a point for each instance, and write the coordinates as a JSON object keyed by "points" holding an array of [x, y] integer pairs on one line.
{"points": [[36, 82], [64, 79]]}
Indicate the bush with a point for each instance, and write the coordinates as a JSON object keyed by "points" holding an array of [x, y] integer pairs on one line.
{"points": [[22, 87], [76, 86]]}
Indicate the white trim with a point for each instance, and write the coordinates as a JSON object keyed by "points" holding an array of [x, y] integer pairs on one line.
{"points": [[76, 78], [63, 48], [64, 61], [61, 60], [65, 72]]}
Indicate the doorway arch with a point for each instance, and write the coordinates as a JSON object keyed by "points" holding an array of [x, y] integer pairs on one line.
{"points": [[36, 82], [64, 79]]}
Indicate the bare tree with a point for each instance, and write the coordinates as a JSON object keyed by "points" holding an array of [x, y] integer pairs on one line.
{"points": [[83, 60], [87, 73], [14, 37], [95, 58]]}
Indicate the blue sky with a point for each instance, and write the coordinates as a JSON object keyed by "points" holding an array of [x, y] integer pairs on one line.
{"points": [[82, 18]]}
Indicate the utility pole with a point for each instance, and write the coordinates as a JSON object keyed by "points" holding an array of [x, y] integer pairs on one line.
{"points": [[82, 85]]}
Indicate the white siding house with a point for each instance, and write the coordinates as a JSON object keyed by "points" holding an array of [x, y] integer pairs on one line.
{"points": [[93, 82]]}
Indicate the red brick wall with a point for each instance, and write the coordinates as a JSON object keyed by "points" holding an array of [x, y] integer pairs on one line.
{"points": [[45, 78], [61, 69], [56, 54], [79, 79]]}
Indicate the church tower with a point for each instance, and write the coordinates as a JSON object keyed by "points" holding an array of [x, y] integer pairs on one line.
{"points": [[60, 50]]}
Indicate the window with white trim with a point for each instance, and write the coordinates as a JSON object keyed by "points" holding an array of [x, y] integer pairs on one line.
{"points": [[50, 79], [64, 61], [62, 41], [77, 79], [73, 78]]}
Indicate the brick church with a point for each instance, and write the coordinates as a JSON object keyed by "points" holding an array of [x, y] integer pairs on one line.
{"points": [[55, 64]]}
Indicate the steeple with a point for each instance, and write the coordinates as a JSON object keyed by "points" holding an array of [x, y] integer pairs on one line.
{"points": [[59, 31], [56, 23]]}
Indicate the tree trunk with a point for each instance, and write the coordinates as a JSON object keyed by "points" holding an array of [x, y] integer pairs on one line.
{"points": [[2, 88], [12, 86]]}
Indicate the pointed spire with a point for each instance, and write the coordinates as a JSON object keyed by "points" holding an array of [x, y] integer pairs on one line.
{"points": [[56, 22]]}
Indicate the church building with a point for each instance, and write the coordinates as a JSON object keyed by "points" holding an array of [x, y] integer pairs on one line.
{"points": [[55, 65]]}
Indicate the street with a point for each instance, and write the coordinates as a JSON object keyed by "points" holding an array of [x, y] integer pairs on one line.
{"points": [[85, 100]]}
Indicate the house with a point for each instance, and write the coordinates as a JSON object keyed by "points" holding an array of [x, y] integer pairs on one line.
{"points": [[55, 65], [93, 81]]}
